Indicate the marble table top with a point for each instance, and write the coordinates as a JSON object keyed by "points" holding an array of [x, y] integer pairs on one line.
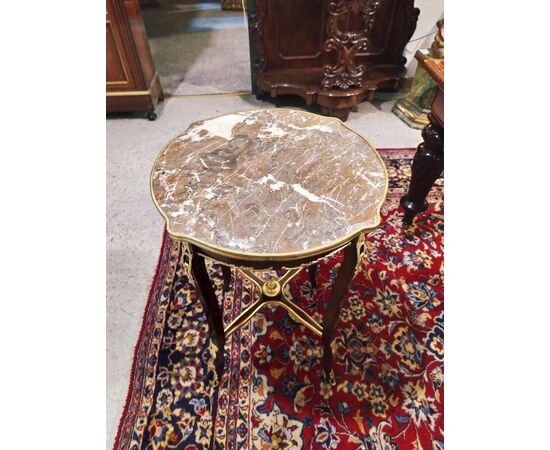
{"points": [[269, 182]]}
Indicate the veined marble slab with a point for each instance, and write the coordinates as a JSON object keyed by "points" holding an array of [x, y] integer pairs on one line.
{"points": [[269, 182]]}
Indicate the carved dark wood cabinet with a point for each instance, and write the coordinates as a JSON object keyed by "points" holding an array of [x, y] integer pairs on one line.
{"points": [[132, 82], [335, 53]]}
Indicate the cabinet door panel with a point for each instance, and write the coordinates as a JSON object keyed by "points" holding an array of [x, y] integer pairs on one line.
{"points": [[116, 71], [119, 75], [303, 38]]}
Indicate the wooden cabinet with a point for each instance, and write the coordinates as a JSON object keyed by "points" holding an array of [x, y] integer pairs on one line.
{"points": [[335, 53], [132, 81]]}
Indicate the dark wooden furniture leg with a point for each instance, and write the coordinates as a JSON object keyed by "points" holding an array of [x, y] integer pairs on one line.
{"points": [[339, 113], [332, 314], [319, 52], [427, 167], [226, 270], [312, 269], [210, 304]]}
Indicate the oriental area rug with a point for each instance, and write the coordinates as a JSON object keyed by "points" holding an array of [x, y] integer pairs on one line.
{"points": [[388, 359]]}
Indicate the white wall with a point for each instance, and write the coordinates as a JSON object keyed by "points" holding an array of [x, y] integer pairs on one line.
{"points": [[430, 12]]}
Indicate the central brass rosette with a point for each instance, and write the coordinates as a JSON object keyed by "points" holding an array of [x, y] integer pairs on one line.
{"points": [[271, 288]]}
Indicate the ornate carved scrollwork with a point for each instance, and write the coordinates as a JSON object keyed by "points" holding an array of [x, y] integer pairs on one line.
{"points": [[346, 73], [186, 259], [361, 250], [257, 32]]}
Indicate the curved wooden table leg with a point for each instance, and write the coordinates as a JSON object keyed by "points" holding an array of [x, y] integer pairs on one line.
{"points": [[226, 270], [209, 301], [312, 269], [332, 314], [427, 167]]}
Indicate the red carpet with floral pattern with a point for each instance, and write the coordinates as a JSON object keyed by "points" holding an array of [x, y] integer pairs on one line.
{"points": [[388, 360]]}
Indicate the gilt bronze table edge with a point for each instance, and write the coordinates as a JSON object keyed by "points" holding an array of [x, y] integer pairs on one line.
{"points": [[222, 251]]}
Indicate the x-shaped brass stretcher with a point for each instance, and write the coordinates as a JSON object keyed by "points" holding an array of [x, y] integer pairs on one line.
{"points": [[272, 292]]}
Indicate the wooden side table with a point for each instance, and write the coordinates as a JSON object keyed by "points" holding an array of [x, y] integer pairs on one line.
{"points": [[428, 164], [269, 190]]}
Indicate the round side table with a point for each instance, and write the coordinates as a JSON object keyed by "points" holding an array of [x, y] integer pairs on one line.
{"points": [[269, 189]]}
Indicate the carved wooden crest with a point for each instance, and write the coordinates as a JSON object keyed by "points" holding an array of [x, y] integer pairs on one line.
{"points": [[346, 73], [257, 34]]}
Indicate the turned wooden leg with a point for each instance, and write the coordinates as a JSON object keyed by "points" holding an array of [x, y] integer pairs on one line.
{"points": [[210, 304], [312, 269], [226, 270], [427, 167], [332, 314]]}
